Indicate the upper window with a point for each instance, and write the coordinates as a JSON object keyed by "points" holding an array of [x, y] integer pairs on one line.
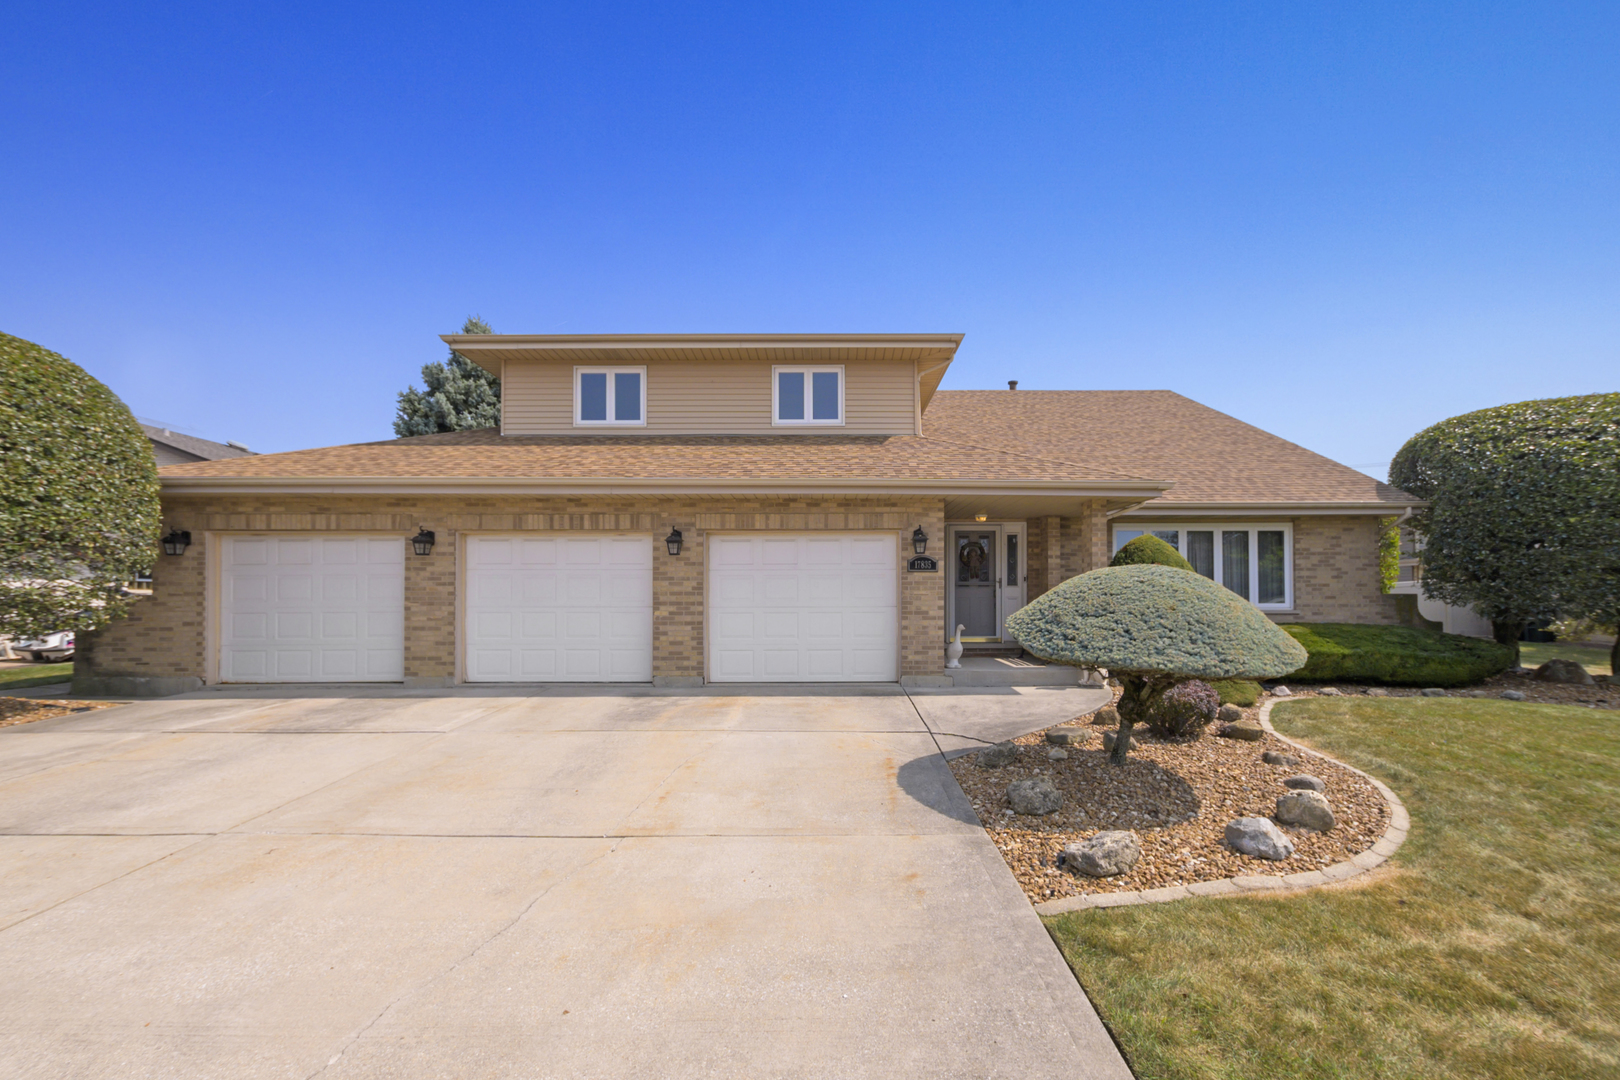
{"points": [[807, 395], [1254, 561], [610, 396]]}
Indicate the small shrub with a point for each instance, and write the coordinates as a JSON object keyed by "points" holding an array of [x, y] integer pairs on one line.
{"points": [[1183, 710], [1148, 548], [1239, 692], [1398, 655]]}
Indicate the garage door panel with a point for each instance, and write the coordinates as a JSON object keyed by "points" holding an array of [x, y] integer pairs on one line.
{"points": [[576, 608], [803, 607], [312, 609]]}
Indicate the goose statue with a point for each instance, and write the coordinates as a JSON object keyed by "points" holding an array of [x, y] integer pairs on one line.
{"points": [[953, 651]]}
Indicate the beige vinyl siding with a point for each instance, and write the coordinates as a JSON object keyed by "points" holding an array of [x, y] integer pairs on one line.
{"points": [[708, 398]]}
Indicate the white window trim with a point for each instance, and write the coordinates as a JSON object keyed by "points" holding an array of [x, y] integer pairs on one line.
{"points": [[807, 370], [1252, 527], [594, 369]]}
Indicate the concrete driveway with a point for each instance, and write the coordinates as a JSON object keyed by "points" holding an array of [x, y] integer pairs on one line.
{"points": [[580, 882]]}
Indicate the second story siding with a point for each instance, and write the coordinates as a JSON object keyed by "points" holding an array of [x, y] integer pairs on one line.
{"points": [[709, 397]]}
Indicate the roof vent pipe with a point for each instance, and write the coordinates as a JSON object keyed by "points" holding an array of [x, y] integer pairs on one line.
{"points": [[1012, 384]]}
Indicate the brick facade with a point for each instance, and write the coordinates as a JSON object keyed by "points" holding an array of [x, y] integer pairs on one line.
{"points": [[1336, 574], [166, 634]]}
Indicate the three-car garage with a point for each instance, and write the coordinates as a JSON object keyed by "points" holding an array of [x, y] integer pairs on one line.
{"points": [[539, 608]]}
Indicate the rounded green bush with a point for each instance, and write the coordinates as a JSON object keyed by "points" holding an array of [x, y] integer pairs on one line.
{"points": [[1239, 692], [1181, 709], [78, 495], [1154, 619], [1149, 549]]}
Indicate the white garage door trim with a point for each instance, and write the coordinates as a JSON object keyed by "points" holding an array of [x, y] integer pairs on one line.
{"points": [[309, 607], [542, 607], [803, 607]]}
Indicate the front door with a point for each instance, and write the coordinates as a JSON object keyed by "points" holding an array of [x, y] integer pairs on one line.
{"points": [[986, 583], [975, 582]]}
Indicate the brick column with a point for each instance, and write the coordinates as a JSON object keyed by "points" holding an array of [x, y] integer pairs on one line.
{"points": [[678, 584], [430, 607], [1094, 551]]}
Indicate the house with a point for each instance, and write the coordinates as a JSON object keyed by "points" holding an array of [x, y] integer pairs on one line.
{"points": [[176, 448], [690, 509]]}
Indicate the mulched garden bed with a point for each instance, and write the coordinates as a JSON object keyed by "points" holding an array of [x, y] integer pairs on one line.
{"points": [[1176, 796], [16, 710]]}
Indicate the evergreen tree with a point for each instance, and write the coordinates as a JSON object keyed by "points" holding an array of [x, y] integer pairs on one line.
{"points": [[459, 395]]}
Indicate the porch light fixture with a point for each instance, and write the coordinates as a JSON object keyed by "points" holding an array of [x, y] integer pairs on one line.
{"points": [[673, 541], [981, 517], [423, 542], [919, 541], [176, 542]]}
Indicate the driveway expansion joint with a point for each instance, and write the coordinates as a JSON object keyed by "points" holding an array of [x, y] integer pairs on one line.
{"points": [[1400, 823]]}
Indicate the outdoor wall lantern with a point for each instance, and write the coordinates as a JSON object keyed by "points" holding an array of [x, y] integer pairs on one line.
{"points": [[673, 541], [423, 542], [176, 542], [919, 541]]}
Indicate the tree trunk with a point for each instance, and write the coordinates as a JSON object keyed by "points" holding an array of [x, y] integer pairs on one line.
{"points": [[1614, 661], [1508, 633], [1130, 702]]}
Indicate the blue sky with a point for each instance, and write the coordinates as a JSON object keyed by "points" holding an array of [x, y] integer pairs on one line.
{"points": [[1339, 222]]}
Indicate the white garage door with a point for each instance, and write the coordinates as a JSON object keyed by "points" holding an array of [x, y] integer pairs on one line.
{"points": [[559, 609], [803, 608], [307, 608]]}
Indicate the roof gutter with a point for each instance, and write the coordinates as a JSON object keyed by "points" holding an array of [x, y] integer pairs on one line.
{"points": [[440, 485], [1155, 509]]}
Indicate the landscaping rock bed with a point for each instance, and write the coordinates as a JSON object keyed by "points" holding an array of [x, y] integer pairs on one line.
{"points": [[16, 710], [1177, 797]]}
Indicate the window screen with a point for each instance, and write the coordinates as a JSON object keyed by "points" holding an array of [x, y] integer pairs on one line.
{"points": [[1201, 551], [1235, 561], [593, 395]]}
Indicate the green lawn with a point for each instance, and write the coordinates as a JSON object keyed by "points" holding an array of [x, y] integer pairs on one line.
{"points": [[1491, 949], [15, 678], [1595, 658]]}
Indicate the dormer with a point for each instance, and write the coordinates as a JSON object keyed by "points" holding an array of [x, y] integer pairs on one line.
{"points": [[709, 384]]}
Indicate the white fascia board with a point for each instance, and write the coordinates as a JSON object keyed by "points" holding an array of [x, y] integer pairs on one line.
{"points": [[360, 485]]}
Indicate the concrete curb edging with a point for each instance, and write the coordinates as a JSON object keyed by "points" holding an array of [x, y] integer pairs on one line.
{"points": [[1400, 823]]}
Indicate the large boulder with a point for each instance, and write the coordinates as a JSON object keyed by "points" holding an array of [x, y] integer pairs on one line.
{"points": [[1307, 809], [994, 757], [1305, 782], [1034, 798], [1104, 855], [1259, 837], [1559, 670]]}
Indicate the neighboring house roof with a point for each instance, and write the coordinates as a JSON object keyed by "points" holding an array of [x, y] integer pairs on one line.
{"points": [[1213, 459], [174, 448]]}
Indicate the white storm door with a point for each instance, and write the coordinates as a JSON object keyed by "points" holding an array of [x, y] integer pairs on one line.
{"points": [[811, 607], [312, 608], [559, 609]]}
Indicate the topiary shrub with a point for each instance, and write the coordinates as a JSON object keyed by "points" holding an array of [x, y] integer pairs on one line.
{"points": [[1239, 692], [1523, 515], [1152, 626], [1150, 550], [78, 495], [1181, 710], [1397, 655]]}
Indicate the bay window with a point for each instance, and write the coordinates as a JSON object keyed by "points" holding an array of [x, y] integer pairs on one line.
{"points": [[1254, 561]]}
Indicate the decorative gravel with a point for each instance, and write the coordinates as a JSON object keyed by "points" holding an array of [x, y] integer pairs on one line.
{"points": [[16, 710], [1176, 796]]}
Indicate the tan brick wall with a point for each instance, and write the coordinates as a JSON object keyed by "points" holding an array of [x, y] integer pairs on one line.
{"points": [[164, 635], [1336, 577], [1044, 565], [1085, 541]]}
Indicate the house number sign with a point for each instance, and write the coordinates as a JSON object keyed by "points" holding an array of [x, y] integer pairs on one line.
{"points": [[924, 563]]}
